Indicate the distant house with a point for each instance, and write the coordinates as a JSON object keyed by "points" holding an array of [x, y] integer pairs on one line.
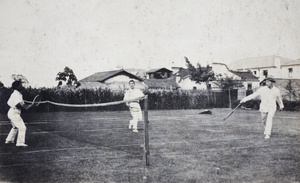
{"points": [[161, 79], [275, 66], [114, 80], [183, 78], [161, 73], [141, 73], [282, 69], [250, 81]]}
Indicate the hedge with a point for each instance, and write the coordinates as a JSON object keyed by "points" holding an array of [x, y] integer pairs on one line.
{"points": [[158, 100]]}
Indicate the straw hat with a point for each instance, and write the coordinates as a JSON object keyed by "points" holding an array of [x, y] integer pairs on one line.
{"points": [[269, 78]]}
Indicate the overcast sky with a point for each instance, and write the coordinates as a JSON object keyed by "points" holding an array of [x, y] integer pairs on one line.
{"points": [[38, 38]]}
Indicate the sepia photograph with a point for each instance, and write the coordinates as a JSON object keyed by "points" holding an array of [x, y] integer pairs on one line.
{"points": [[149, 91]]}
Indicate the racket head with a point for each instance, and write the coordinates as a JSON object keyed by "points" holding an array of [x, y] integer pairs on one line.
{"points": [[36, 101]]}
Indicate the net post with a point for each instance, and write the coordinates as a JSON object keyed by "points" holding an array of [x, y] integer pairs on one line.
{"points": [[146, 127]]}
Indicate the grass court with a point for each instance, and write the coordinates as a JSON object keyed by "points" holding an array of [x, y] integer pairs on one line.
{"points": [[185, 146]]}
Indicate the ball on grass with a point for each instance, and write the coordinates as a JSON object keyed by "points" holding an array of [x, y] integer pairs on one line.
{"points": [[217, 170]]}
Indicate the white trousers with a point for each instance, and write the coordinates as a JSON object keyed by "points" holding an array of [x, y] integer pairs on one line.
{"points": [[267, 120], [136, 113], [18, 126]]}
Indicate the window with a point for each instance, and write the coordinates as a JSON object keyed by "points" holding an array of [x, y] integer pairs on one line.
{"points": [[209, 86], [290, 72], [194, 88], [249, 86], [265, 73]]}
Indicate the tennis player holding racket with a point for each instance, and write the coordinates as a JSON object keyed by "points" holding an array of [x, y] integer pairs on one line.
{"points": [[134, 106], [16, 102], [269, 95]]}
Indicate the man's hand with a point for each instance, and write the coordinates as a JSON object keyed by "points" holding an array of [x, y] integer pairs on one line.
{"points": [[26, 107], [242, 101]]}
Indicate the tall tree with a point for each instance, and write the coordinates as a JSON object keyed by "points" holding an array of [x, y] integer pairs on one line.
{"points": [[67, 76], [201, 74]]}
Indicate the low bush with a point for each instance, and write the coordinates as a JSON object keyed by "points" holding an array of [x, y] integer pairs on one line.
{"points": [[157, 100]]}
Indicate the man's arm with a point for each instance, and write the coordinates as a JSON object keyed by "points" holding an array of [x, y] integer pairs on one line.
{"points": [[126, 98], [250, 97], [279, 101], [22, 105]]}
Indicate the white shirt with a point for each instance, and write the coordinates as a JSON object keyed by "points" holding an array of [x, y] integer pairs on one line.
{"points": [[132, 94], [15, 98], [268, 98]]}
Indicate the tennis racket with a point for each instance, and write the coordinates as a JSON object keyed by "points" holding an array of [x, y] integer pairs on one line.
{"points": [[229, 114], [36, 101]]}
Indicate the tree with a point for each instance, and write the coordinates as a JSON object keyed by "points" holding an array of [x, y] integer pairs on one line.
{"points": [[20, 77], [201, 74], [228, 83], [290, 89], [67, 76]]}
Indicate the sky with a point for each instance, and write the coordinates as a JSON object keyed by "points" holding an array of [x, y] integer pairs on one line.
{"points": [[39, 38]]}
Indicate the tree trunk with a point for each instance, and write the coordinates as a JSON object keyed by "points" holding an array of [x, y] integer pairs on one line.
{"points": [[229, 98]]}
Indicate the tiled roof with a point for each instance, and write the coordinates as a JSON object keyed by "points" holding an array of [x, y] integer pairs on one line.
{"points": [[161, 83], [103, 76], [248, 76], [156, 70], [261, 62]]}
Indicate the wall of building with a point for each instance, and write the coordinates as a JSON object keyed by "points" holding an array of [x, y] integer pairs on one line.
{"points": [[188, 84]]}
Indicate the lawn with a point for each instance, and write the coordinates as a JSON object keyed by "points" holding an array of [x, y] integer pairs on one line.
{"points": [[185, 146]]}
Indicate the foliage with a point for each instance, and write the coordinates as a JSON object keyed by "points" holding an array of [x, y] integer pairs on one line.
{"points": [[226, 82], [20, 77], [158, 100], [291, 105], [199, 73], [68, 76], [290, 89], [288, 105], [177, 100]]}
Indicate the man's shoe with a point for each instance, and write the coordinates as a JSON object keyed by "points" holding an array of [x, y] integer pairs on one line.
{"points": [[135, 130], [9, 142], [267, 136], [22, 145]]}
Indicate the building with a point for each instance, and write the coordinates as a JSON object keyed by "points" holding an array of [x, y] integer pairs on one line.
{"points": [[282, 69], [276, 66], [183, 78], [249, 80], [160, 73], [113, 80], [161, 79]]}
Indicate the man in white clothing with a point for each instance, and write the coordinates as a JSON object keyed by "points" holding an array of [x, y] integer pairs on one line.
{"points": [[269, 94], [134, 106], [16, 102]]}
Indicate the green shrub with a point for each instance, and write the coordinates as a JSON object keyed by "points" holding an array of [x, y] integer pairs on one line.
{"points": [[291, 105], [157, 100]]}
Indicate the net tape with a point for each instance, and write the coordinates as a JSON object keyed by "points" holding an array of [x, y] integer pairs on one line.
{"points": [[88, 105]]}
